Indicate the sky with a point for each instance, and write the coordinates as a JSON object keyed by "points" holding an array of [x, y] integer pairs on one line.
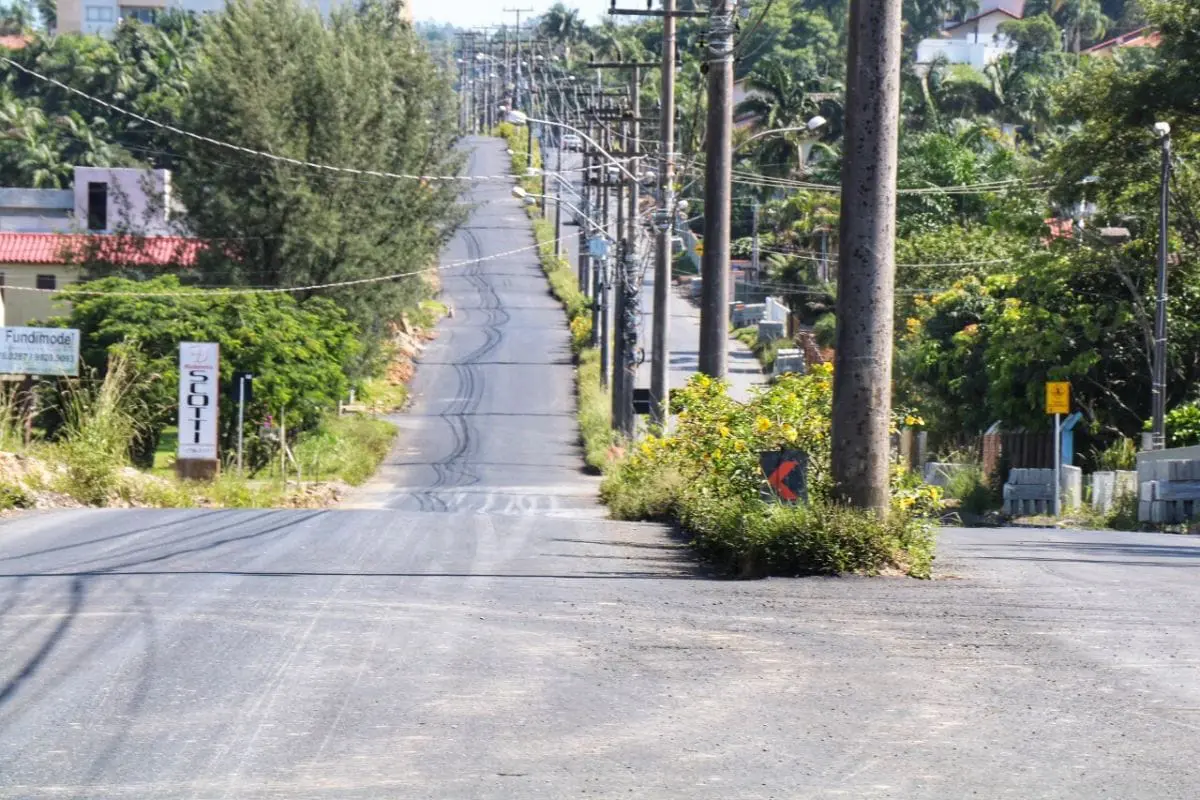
{"points": [[473, 13]]}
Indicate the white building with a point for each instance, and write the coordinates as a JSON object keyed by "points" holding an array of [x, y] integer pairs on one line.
{"points": [[45, 235], [104, 200], [977, 40]]}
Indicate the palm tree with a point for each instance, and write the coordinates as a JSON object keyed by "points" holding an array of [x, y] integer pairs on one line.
{"points": [[562, 26], [780, 96]]}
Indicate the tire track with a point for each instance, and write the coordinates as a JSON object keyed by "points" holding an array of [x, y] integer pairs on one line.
{"points": [[454, 469]]}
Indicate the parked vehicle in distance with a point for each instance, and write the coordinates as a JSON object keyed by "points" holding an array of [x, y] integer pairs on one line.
{"points": [[571, 142]]}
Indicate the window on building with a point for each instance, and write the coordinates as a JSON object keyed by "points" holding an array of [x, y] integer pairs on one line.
{"points": [[47, 282], [99, 14], [146, 15], [97, 208]]}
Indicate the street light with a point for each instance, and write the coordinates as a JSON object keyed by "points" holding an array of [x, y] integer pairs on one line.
{"points": [[813, 125], [1158, 390], [521, 118], [520, 193]]}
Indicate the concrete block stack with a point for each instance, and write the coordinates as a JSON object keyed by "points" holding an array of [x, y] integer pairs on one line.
{"points": [[1028, 492], [1168, 490], [769, 331], [788, 360]]}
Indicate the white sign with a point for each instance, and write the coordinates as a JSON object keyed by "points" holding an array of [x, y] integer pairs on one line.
{"points": [[199, 391], [39, 351]]}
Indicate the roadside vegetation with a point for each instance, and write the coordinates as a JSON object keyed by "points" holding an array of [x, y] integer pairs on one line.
{"points": [[705, 477], [350, 251]]}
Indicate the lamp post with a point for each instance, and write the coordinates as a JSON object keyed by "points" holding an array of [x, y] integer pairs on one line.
{"points": [[1158, 392]]}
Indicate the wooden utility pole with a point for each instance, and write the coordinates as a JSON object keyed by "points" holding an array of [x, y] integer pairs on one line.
{"points": [[862, 377], [714, 280]]}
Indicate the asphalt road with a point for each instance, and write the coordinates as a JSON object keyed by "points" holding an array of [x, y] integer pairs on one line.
{"points": [[491, 426], [400, 653]]}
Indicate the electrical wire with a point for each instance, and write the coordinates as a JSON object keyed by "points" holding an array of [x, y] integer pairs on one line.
{"points": [[227, 291], [248, 150]]}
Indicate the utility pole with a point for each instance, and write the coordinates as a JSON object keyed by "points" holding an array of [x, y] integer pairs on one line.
{"points": [[862, 377], [517, 84], [754, 244], [558, 180], [661, 353], [627, 289], [1158, 425], [714, 280]]}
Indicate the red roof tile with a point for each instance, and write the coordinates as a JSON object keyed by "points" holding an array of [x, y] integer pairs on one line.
{"points": [[15, 42], [63, 248]]}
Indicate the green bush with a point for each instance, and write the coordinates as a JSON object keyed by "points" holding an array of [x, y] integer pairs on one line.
{"points": [[595, 411], [1120, 455], [825, 330], [1183, 425], [297, 352], [14, 495], [755, 539], [706, 476]]}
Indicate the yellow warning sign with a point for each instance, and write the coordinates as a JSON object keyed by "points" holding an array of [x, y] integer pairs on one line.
{"points": [[699, 247], [1058, 397]]}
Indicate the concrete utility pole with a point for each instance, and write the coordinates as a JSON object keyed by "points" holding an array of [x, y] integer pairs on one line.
{"points": [[754, 244], [558, 168], [714, 280], [661, 357], [623, 417], [620, 371], [862, 377], [1158, 398]]}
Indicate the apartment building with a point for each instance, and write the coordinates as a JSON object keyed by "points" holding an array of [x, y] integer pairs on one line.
{"points": [[103, 16]]}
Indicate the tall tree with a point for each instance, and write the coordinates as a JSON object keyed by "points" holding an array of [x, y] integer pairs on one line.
{"points": [[359, 92]]}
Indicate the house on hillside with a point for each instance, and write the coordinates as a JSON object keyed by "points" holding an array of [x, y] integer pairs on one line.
{"points": [[976, 40], [117, 215], [1142, 37]]}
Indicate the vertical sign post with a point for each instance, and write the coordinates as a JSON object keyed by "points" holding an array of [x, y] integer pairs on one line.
{"points": [[244, 380], [1058, 402], [199, 382]]}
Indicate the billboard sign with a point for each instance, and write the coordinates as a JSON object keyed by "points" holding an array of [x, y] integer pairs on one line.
{"points": [[199, 391], [39, 351]]}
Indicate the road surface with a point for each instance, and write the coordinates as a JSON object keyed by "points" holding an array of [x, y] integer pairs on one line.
{"points": [[492, 424], [405, 653]]}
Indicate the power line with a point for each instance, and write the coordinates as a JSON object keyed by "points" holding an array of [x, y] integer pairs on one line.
{"points": [[248, 150], [227, 291]]}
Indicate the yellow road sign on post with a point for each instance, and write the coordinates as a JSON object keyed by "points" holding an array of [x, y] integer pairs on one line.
{"points": [[1058, 397], [699, 247]]}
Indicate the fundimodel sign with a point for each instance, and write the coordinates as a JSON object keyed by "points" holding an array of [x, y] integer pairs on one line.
{"points": [[39, 351], [199, 381]]}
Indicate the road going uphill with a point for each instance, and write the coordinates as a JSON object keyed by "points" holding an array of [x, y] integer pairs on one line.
{"points": [[492, 424]]}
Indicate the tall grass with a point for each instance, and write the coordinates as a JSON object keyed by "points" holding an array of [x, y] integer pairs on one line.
{"points": [[14, 406], [101, 421], [595, 411]]}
